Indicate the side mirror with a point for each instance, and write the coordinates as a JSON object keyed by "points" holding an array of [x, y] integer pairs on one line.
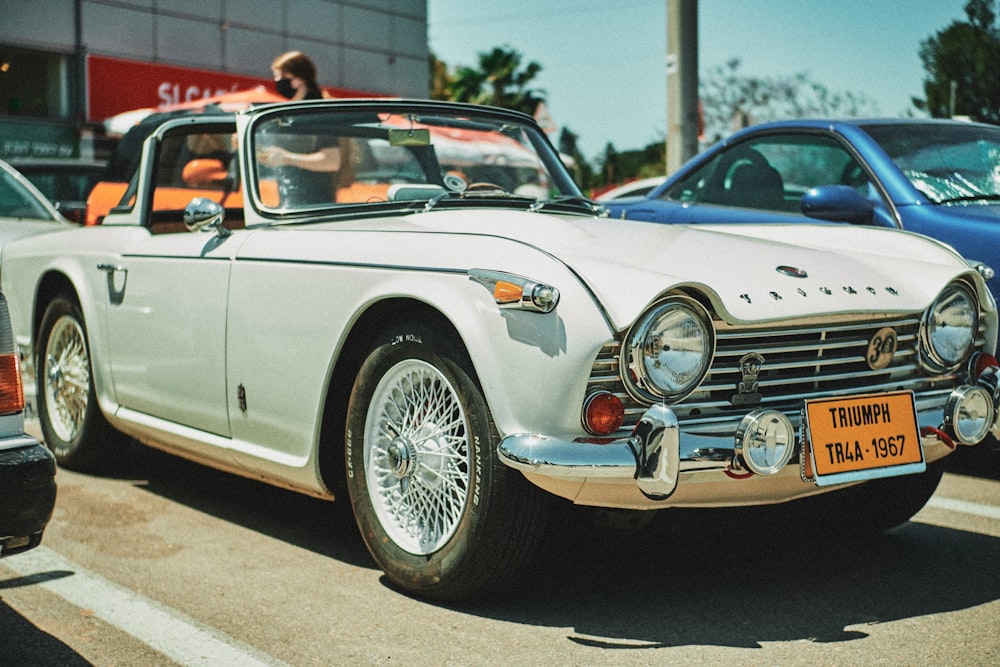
{"points": [[203, 172], [838, 203], [203, 214]]}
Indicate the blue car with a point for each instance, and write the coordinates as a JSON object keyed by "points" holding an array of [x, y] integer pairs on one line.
{"points": [[940, 178]]}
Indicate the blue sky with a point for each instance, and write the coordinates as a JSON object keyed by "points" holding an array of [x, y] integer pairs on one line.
{"points": [[603, 61]]}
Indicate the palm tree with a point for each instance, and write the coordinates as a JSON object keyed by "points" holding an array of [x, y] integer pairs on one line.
{"points": [[498, 81]]}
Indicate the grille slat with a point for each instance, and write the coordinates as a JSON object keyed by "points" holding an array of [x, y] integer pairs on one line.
{"points": [[827, 346]]}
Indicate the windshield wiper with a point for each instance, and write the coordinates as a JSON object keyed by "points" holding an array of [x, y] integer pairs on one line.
{"points": [[584, 202], [980, 197], [446, 194]]}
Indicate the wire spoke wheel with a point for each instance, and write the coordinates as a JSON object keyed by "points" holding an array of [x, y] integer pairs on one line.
{"points": [[416, 456], [72, 423], [66, 378], [438, 511]]}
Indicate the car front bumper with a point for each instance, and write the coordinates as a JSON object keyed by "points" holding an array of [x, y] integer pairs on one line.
{"points": [[27, 493], [660, 465]]}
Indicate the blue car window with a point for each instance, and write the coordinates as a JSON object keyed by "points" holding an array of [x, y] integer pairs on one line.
{"points": [[771, 173]]}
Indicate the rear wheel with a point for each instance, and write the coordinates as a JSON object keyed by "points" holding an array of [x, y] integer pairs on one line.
{"points": [[72, 424], [441, 516]]}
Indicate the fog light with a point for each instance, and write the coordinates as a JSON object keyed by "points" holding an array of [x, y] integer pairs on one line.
{"points": [[765, 441], [969, 414]]}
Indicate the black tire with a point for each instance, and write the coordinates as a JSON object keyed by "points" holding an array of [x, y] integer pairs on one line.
{"points": [[441, 516], [876, 506], [72, 424]]}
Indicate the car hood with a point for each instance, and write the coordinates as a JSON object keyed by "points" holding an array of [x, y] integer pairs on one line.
{"points": [[12, 229], [752, 273]]}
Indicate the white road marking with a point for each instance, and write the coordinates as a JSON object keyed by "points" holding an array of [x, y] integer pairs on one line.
{"points": [[952, 505], [180, 638]]}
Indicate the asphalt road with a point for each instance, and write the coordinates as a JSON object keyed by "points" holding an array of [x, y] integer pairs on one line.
{"points": [[163, 562]]}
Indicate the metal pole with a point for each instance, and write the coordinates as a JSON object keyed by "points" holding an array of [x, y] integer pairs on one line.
{"points": [[682, 82]]}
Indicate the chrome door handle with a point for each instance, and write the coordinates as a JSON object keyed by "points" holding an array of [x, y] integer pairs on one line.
{"points": [[111, 268], [116, 284]]}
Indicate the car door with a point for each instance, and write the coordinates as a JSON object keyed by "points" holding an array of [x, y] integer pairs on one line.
{"points": [[166, 314], [166, 326]]}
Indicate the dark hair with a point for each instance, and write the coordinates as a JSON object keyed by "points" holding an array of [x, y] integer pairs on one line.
{"points": [[297, 64]]}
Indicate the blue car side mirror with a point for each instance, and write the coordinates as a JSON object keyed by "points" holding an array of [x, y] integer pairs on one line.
{"points": [[838, 203]]}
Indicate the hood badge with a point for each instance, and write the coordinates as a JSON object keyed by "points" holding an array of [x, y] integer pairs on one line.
{"points": [[848, 289], [791, 272], [748, 388], [881, 349]]}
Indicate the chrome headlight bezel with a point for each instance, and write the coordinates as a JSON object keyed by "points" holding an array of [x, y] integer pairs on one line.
{"points": [[941, 351], [643, 351]]}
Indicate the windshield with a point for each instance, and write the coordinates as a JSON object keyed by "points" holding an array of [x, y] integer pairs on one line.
{"points": [[309, 158], [17, 202], [946, 163]]}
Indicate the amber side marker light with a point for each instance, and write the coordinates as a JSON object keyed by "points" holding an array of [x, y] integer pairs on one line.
{"points": [[11, 389], [512, 291], [505, 292]]}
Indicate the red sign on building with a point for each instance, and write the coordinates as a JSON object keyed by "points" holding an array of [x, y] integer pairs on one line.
{"points": [[115, 85]]}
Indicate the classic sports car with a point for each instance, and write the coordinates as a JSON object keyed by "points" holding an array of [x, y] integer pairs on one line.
{"points": [[933, 177], [411, 303]]}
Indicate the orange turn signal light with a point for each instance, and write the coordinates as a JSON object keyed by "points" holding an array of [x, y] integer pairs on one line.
{"points": [[11, 389], [505, 292]]}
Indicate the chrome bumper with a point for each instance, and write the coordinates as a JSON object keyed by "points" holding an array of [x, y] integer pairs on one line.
{"points": [[656, 454]]}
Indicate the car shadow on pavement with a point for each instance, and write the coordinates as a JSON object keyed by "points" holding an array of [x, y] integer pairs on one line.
{"points": [[981, 461], [22, 643], [732, 578], [321, 526], [710, 577]]}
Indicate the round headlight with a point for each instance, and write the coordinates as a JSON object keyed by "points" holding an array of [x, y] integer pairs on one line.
{"points": [[949, 329], [669, 351]]}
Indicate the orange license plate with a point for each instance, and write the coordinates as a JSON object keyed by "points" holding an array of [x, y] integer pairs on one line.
{"points": [[863, 437]]}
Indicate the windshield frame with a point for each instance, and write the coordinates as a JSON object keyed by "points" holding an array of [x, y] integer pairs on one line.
{"points": [[453, 116]]}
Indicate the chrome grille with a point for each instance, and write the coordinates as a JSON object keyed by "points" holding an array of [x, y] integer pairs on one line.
{"points": [[800, 362]]}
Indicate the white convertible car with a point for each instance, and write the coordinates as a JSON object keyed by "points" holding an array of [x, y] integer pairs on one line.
{"points": [[411, 303]]}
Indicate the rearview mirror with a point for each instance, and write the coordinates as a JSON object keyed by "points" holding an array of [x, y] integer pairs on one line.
{"points": [[411, 137]]}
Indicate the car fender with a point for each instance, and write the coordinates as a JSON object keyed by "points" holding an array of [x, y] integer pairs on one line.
{"points": [[510, 349]]}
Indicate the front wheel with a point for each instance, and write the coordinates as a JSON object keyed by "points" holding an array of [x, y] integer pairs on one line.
{"points": [[441, 516], [72, 424]]}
